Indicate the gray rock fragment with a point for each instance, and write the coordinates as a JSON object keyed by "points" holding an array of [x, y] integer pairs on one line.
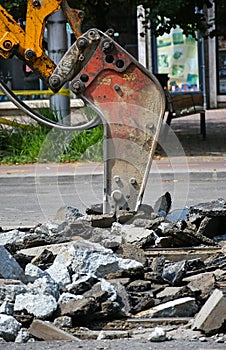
{"points": [[209, 227], [182, 307], [141, 301], [88, 258], [144, 211], [63, 322], [10, 288], [12, 237], [213, 313], [112, 335], [45, 234], [39, 305], [210, 209], [122, 299], [78, 228], [33, 272], [100, 293], [96, 209], [68, 213], [23, 336], [138, 235], [203, 282], [66, 297], [170, 292], [45, 286], [103, 221], [6, 308], [158, 335], [80, 309], [43, 259], [47, 331], [124, 216], [59, 274], [9, 327], [163, 204], [9, 268], [109, 239], [139, 286], [81, 284], [174, 273]]}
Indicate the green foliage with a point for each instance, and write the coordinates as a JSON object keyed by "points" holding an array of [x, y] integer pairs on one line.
{"points": [[162, 15], [16, 8], [190, 15], [29, 145], [20, 145]]}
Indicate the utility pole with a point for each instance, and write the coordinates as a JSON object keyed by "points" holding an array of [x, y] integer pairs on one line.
{"points": [[57, 46]]}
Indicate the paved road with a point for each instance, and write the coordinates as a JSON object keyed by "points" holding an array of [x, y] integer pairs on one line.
{"points": [[193, 171], [28, 198], [123, 344]]}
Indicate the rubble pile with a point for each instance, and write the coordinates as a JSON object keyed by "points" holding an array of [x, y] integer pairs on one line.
{"points": [[98, 276]]}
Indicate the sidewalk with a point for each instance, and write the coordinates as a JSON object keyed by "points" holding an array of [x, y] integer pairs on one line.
{"points": [[199, 155], [188, 131]]}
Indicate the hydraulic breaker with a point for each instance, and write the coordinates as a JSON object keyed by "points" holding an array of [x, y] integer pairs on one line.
{"points": [[130, 102]]}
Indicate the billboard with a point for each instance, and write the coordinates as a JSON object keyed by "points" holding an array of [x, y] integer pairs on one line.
{"points": [[178, 57]]}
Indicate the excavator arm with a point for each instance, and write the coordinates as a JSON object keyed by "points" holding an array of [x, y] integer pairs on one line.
{"points": [[126, 96], [27, 43]]}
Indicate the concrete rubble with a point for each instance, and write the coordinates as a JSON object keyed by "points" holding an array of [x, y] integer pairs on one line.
{"points": [[99, 276]]}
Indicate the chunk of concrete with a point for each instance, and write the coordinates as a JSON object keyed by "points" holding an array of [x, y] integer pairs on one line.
{"points": [[209, 226], [213, 313], [59, 274], [44, 259], [211, 209], [39, 305], [204, 282], [139, 286], [83, 308], [45, 285], [174, 273], [23, 336], [10, 288], [9, 268], [104, 220], [170, 293], [106, 238], [163, 204], [141, 301], [81, 284], [66, 297], [63, 322], [182, 307], [117, 292], [6, 308], [33, 272], [47, 331], [139, 236], [91, 258], [114, 334], [9, 327], [12, 237], [158, 335], [68, 213]]}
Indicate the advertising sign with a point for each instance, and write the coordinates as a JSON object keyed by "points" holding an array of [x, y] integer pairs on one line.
{"points": [[178, 57]]}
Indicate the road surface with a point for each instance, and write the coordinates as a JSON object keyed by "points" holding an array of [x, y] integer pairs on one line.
{"points": [[32, 198]]}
